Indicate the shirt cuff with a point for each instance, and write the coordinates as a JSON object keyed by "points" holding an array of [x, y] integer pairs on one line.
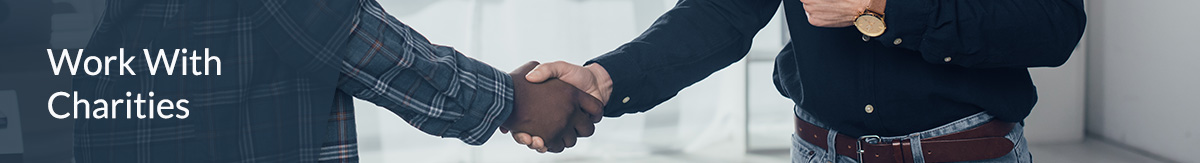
{"points": [[486, 106], [908, 22], [625, 76]]}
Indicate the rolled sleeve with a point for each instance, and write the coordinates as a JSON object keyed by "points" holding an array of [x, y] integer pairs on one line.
{"points": [[907, 21], [986, 34], [434, 88], [487, 106]]}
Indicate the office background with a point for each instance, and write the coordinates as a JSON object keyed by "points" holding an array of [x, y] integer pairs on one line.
{"points": [[1122, 97]]}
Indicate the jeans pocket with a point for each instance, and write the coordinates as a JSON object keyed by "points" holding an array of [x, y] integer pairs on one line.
{"points": [[1020, 152], [803, 152]]}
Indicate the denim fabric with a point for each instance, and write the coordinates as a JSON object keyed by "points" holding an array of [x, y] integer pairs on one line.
{"points": [[805, 152]]}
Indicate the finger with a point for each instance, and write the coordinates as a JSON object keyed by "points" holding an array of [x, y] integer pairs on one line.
{"points": [[544, 72], [569, 139], [590, 105], [595, 118], [555, 145], [541, 144], [535, 141], [583, 127], [503, 130], [522, 138]]}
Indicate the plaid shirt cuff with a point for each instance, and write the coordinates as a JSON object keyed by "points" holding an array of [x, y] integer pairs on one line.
{"points": [[486, 107]]}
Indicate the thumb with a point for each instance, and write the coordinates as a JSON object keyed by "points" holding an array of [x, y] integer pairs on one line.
{"points": [[592, 106], [544, 72]]}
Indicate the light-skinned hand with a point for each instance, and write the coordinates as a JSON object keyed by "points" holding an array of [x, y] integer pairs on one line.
{"points": [[592, 79], [553, 110], [833, 13]]}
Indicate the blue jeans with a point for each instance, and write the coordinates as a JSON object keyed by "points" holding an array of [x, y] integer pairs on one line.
{"points": [[805, 152]]}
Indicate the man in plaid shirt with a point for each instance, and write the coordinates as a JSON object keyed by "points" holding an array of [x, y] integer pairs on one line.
{"points": [[291, 69]]}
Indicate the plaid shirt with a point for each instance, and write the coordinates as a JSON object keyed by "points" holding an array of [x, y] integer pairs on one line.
{"points": [[290, 69]]}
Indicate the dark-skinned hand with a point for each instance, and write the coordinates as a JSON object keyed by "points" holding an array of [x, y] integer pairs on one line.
{"points": [[555, 111]]}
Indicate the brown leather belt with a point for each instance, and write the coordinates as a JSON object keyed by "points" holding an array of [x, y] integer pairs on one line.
{"points": [[984, 142]]}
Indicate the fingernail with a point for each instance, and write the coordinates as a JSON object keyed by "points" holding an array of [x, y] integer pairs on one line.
{"points": [[533, 73]]}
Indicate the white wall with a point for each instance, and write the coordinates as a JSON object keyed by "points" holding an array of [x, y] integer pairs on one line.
{"points": [[508, 33], [1143, 76], [1059, 114]]}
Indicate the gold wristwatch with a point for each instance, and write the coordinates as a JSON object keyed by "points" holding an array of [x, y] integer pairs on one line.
{"points": [[871, 23]]}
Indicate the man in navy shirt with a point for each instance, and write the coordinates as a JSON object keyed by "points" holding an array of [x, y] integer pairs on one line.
{"points": [[873, 80]]}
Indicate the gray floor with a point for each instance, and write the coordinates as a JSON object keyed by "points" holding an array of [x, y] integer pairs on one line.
{"points": [[1089, 151]]}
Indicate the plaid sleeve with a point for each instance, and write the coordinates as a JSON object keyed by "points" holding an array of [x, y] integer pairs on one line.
{"points": [[434, 88]]}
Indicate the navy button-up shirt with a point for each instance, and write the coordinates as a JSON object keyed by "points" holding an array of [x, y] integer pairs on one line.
{"points": [[938, 61]]}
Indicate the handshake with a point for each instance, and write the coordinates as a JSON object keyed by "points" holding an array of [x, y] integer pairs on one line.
{"points": [[550, 114]]}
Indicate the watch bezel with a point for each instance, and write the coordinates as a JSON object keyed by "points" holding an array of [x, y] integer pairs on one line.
{"points": [[869, 16]]}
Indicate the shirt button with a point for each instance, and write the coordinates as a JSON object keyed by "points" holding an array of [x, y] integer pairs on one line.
{"points": [[897, 41], [947, 59], [866, 38], [869, 108], [626, 100]]}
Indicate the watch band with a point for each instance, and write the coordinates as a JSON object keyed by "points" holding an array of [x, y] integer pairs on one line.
{"points": [[876, 6], [870, 23]]}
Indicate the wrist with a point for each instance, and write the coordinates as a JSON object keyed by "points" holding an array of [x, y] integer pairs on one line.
{"points": [[603, 83], [876, 6], [518, 84]]}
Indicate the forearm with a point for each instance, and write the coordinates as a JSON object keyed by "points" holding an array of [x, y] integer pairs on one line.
{"points": [[685, 45], [986, 34], [469, 106], [435, 88]]}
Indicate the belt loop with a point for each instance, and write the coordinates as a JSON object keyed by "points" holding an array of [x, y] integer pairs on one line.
{"points": [[918, 154], [831, 151]]}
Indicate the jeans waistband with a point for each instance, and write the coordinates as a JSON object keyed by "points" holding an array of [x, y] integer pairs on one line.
{"points": [[959, 125]]}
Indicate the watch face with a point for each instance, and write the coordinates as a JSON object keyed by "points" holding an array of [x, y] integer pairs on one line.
{"points": [[870, 25]]}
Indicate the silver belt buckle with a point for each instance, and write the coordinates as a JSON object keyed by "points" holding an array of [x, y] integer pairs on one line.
{"points": [[858, 143]]}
